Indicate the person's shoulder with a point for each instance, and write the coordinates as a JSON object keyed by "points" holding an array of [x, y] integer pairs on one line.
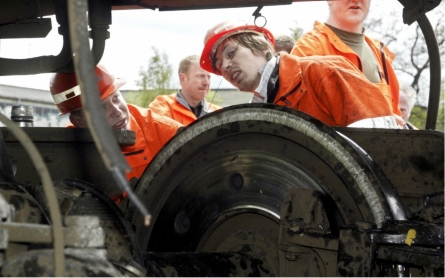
{"points": [[167, 98], [311, 42], [334, 62], [162, 120], [148, 116], [319, 28]]}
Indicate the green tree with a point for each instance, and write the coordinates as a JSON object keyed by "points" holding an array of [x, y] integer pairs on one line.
{"points": [[418, 116], [153, 81]]}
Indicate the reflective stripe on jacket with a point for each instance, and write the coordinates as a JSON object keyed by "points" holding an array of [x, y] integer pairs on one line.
{"points": [[331, 89], [168, 105], [323, 41], [152, 133]]}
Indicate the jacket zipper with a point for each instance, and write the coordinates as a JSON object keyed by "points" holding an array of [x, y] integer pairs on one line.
{"points": [[133, 153], [283, 98]]}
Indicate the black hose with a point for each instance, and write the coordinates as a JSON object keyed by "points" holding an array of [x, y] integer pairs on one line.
{"points": [[92, 105], [434, 55], [112, 206], [24, 189]]}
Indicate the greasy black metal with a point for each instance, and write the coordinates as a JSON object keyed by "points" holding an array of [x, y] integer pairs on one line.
{"points": [[427, 234], [78, 263], [6, 170], [271, 158], [304, 211], [413, 160], [99, 18], [306, 235], [428, 259], [414, 9], [33, 28], [361, 246], [43, 64], [355, 253], [85, 72], [93, 109], [203, 264], [181, 5], [117, 212], [391, 195], [69, 153]]}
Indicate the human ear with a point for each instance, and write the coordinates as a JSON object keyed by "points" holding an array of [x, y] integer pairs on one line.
{"points": [[182, 77], [76, 120]]}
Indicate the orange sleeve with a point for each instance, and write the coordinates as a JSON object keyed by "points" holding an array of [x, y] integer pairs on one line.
{"points": [[349, 96], [307, 45], [161, 106]]}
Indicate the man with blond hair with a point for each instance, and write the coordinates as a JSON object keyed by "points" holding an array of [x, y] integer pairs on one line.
{"points": [[189, 103]]}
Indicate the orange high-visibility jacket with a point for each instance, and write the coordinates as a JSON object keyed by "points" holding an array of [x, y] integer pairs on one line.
{"points": [[152, 133], [330, 89], [323, 41], [168, 105]]}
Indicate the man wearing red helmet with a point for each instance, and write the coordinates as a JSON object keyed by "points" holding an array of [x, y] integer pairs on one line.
{"points": [[329, 88], [152, 131]]}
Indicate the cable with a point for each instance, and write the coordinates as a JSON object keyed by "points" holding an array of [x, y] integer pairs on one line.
{"points": [[50, 193], [93, 109], [24, 190]]}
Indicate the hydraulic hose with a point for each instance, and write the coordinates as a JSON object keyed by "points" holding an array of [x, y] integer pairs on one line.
{"points": [[94, 111]]}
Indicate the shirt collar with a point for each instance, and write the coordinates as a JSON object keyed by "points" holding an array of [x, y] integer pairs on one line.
{"points": [[265, 72], [181, 100]]}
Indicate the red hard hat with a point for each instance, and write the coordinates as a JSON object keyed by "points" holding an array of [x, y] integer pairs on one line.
{"points": [[216, 35], [66, 91]]}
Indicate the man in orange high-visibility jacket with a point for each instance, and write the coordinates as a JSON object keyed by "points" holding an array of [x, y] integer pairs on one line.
{"points": [[189, 103], [152, 131], [329, 88], [343, 34]]}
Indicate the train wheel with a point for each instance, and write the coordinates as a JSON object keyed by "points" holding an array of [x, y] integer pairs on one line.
{"points": [[219, 185]]}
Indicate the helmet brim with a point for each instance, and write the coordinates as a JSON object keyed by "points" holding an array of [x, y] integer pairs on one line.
{"points": [[212, 44]]}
